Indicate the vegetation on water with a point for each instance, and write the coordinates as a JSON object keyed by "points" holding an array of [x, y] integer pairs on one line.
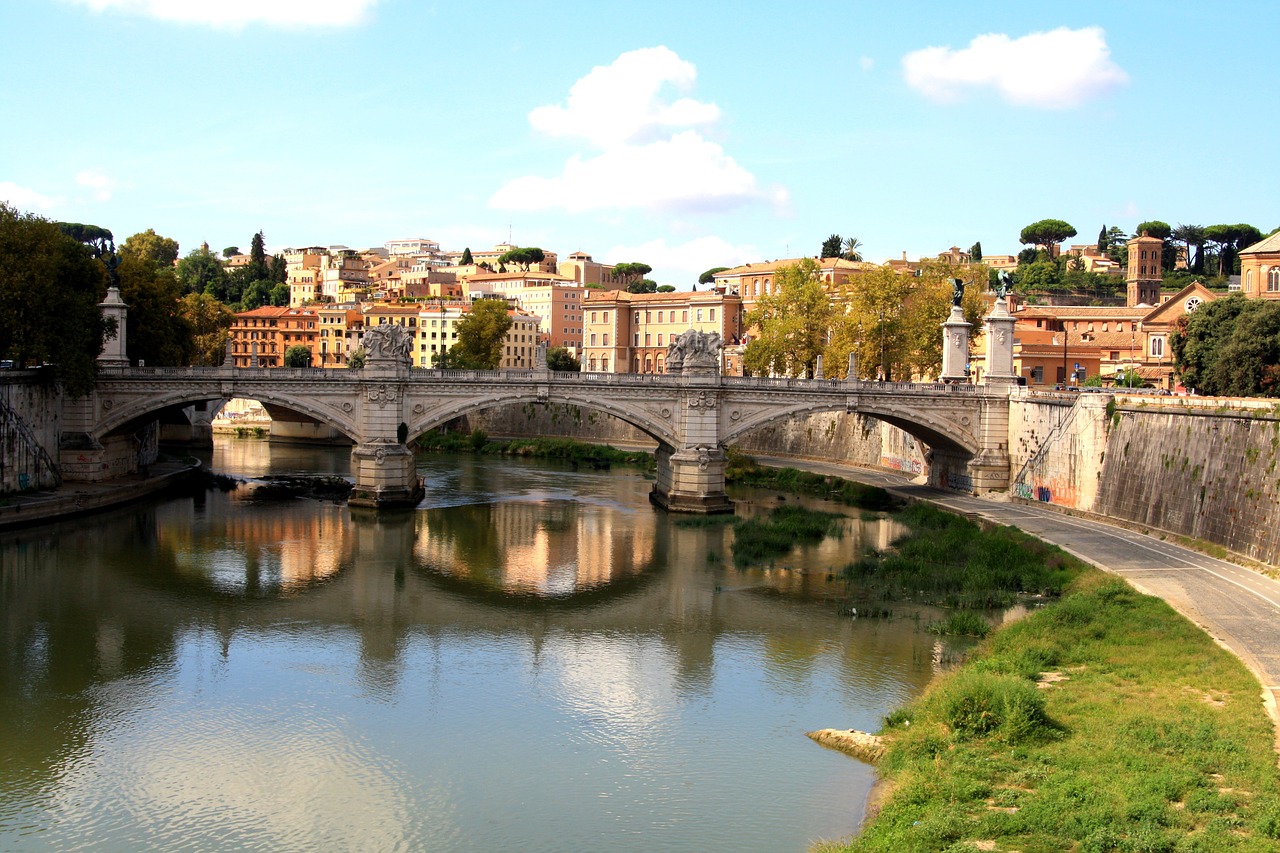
{"points": [[1143, 736], [760, 538], [593, 455], [963, 623], [949, 561], [744, 471]]}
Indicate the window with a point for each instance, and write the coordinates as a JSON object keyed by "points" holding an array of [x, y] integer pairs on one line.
{"points": [[637, 344], [1273, 280], [659, 338], [604, 340], [1157, 347], [699, 315], [684, 316], [647, 338], [713, 315], [593, 316], [637, 316], [593, 339]]}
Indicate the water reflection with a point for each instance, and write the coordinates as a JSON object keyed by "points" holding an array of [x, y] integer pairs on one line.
{"points": [[537, 659]]}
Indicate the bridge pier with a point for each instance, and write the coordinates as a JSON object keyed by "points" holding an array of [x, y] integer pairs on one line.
{"points": [[691, 481], [385, 475]]}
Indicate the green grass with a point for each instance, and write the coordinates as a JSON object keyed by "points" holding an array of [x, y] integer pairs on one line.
{"points": [[1155, 741], [761, 538], [964, 623], [592, 455], [950, 561], [743, 470]]}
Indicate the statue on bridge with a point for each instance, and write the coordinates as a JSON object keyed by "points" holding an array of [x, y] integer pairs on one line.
{"points": [[388, 342], [1004, 284], [694, 349], [957, 291]]}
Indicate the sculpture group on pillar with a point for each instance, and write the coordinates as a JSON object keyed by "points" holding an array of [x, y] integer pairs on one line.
{"points": [[695, 350], [388, 342]]}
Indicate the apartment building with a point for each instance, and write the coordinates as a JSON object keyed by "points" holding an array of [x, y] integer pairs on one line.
{"points": [[557, 300], [630, 332], [260, 338]]}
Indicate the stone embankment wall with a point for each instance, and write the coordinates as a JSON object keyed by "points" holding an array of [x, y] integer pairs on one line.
{"points": [[30, 417], [1194, 466]]}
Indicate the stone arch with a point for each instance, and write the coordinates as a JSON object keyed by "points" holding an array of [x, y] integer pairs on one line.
{"points": [[938, 433], [120, 415], [623, 410]]}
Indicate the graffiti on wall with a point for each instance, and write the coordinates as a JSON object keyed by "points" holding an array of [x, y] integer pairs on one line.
{"points": [[1047, 491], [959, 482], [897, 463]]}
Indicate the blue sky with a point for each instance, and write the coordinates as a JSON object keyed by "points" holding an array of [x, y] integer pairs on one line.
{"points": [[682, 135]]}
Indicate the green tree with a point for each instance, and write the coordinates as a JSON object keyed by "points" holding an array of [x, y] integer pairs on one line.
{"points": [[1154, 228], [710, 275], [644, 285], [1103, 242], [482, 334], [209, 321], [298, 355], [1192, 237], [559, 358], [201, 271], [256, 295], [355, 361], [99, 240], [792, 323], [466, 259], [258, 256], [1116, 248], [50, 287], [975, 252], [150, 246], [158, 331], [1047, 234], [1230, 239], [525, 257], [666, 288], [1230, 346], [630, 273], [1127, 378], [230, 250], [1038, 277], [832, 246], [850, 249]]}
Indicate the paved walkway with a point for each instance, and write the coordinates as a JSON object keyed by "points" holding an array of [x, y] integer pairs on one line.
{"points": [[1238, 607]]}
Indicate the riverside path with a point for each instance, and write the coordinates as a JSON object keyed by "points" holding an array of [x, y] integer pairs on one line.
{"points": [[1238, 607]]}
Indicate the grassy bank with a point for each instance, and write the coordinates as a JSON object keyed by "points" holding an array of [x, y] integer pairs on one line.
{"points": [[1145, 736], [743, 470], [591, 455]]}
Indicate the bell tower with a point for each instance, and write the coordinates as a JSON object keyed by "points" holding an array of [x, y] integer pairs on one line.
{"points": [[1144, 273]]}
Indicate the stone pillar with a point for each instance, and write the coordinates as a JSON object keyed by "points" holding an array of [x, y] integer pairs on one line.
{"points": [[1000, 345], [113, 351], [383, 467], [955, 346], [690, 478], [817, 369], [852, 375]]}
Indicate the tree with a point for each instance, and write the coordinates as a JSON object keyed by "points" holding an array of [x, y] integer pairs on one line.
{"points": [[1192, 236], [99, 240], [258, 255], [832, 246], [559, 358], [209, 320], [298, 355], [849, 249], [201, 271], [1103, 242], [150, 246], [230, 250], [666, 288], [792, 323], [1116, 248], [525, 257], [1230, 346], [629, 273], [158, 332], [482, 333], [50, 287], [975, 252], [466, 259], [710, 275], [1047, 234], [644, 285], [1230, 239], [355, 361], [1154, 228]]}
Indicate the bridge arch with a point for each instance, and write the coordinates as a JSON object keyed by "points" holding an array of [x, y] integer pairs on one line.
{"points": [[626, 411], [117, 416], [938, 432]]}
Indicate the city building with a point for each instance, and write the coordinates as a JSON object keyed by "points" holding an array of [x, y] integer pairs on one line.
{"points": [[260, 338], [630, 332], [1260, 268], [1145, 271], [557, 300], [579, 267]]}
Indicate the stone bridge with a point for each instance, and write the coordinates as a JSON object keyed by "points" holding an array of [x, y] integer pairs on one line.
{"points": [[693, 417]]}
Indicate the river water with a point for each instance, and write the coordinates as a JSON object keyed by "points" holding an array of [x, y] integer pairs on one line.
{"points": [[535, 659]]}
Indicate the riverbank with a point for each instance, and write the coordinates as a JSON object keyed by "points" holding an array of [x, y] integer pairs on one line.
{"points": [[75, 499]]}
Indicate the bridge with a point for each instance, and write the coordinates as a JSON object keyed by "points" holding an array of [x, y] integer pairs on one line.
{"points": [[692, 411], [693, 416]]}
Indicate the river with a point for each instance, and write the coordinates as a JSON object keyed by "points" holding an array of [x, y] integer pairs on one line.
{"points": [[535, 659]]}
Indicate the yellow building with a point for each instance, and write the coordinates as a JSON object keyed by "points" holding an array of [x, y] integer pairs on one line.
{"points": [[1260, 268]]}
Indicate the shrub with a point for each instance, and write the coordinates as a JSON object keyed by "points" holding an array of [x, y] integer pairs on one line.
{"points": [[981, 703]]}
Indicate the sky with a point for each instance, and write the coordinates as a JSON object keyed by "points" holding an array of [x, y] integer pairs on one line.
{"points": [[682, 135]]}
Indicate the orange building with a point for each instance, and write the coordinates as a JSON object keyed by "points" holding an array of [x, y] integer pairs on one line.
{"points": [[260, 338]]}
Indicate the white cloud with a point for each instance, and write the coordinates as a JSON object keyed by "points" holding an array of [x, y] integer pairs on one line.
{"points": [[101, 185], [682, 264], [1052, 70], [23, 198], [866, 63], [621, 103], [683, 173], [233, 14], [651, 153]]}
